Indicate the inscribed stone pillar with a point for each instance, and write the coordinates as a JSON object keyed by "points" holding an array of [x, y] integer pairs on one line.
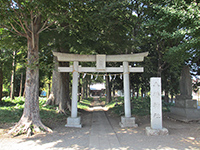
{"points": [[156, 109], [156, 103], [186, 82], [184, 100]]}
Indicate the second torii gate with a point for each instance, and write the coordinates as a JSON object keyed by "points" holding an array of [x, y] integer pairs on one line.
{"points": [[101, 59]]}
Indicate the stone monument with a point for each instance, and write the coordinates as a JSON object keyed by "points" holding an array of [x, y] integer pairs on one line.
{"points": [[185, 108], [156, 109]]}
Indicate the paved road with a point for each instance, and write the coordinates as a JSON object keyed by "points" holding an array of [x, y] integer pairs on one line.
{"points": [[102, 135]]}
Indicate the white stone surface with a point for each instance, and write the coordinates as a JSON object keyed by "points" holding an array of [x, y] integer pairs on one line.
{"points": [[101, 62], [156, 103], [74, 90], [152, 132], [94, 69], [74, 122], [127, 122], [127, 103], [138, 57]]}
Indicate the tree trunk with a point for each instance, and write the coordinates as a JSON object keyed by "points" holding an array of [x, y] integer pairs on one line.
{"points": [[108, 90], [56, 84], [30, 119], [12, 78], [142, 92], [86, 87], [1, 83], [64, 102], [79, 89], [172, 97], [166, 98], [20, 89], [83, 90], [159, 70], [24, 93], [133, 92], [48, 89], [60, 89], [137, 92], [113, 91]]}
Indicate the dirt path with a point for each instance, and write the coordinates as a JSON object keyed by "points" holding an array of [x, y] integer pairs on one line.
{"points": [[182, 136]]}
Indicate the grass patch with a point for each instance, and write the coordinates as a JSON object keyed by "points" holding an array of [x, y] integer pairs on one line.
{"points": [[12, 110], [85, 103], [103, 99]]}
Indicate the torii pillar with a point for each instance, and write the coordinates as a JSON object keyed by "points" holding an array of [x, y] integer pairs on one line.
{"points": [[127, 120], [74, 120]]}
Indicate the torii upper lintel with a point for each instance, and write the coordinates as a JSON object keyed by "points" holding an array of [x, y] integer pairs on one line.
{"points": [[138, 57]]}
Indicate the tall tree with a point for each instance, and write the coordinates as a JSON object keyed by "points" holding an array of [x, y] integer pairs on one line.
{"points": [[12, 82], [28, 19], [179, 23], [174, 34]]}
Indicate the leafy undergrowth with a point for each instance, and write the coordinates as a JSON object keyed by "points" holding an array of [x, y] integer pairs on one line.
{"points": [[11, 110], [85, 103], [139, 107]]}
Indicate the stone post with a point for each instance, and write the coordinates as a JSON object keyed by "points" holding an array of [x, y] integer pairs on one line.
{"points": [[156, 103], [156, 109], [127, 103], [74, 90], [74, 121], [127, 120]]}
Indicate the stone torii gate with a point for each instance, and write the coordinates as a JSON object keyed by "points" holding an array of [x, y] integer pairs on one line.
{"points": [[101, 59]]}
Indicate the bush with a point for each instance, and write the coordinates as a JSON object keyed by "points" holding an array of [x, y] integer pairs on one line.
{"points": [[139, 107]]}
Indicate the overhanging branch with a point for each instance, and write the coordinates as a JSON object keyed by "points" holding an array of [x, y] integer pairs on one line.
{"points": [[16, 31], [44, 28]]}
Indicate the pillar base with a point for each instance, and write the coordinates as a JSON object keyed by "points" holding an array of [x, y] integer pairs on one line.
{"points": [[151, 132], [74, 122], [127, 122], [185, 114]]}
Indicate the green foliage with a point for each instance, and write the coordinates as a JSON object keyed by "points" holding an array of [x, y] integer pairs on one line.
{"points": [[11, 111], [117, 106], [166, 106], [103, 99], [180, 20], [140, 107], [85, 103]]}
